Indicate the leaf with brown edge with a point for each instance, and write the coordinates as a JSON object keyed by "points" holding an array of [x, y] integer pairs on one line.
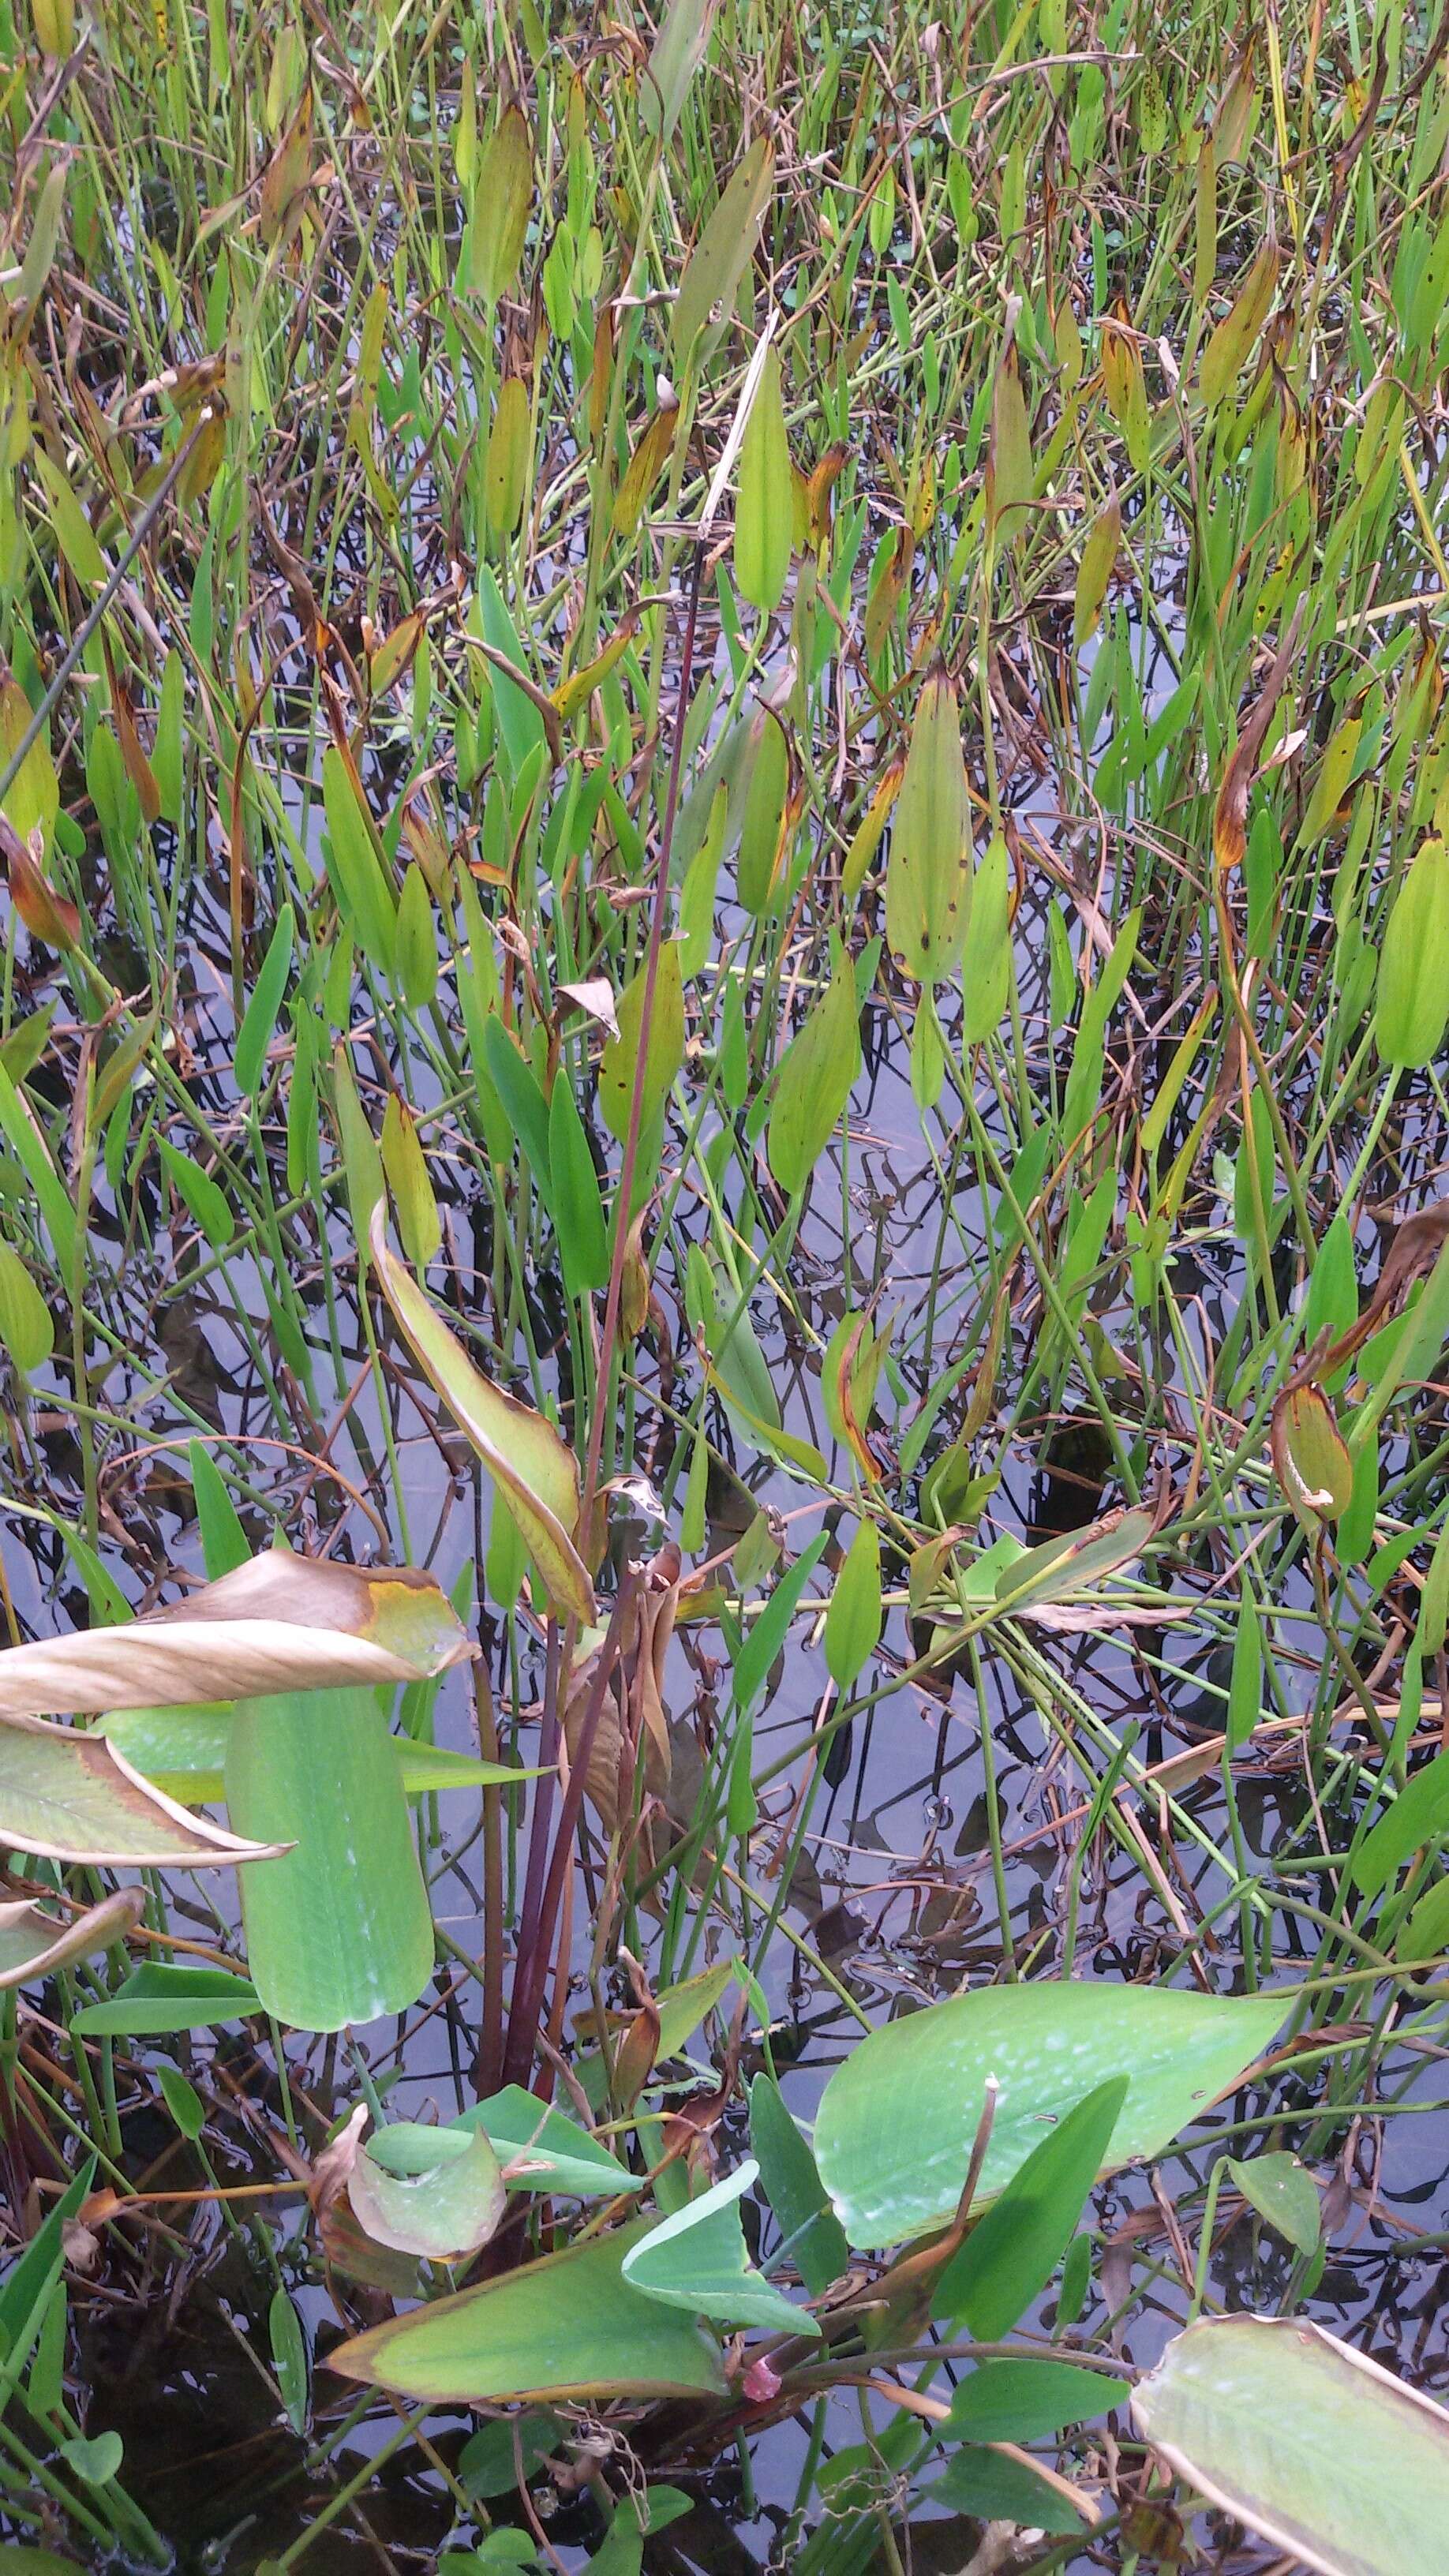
{"points": [[33, 1943], [47, 916], [928, 874], [68, 1796], [1230, 816], [570, 2325], [1310, 1455], [278, 1623], [535, 1470]]}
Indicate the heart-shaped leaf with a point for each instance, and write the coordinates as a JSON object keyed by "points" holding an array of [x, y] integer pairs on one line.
{"points": [[569, 2326]]}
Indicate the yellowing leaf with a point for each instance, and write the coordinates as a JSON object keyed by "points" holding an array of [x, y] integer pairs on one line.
{"points": [[534, 1469]]}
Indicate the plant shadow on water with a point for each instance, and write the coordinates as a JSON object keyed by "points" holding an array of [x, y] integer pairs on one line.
{"points": [[724, 776]]}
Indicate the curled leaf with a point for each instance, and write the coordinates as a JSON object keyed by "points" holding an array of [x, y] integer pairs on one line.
{"points": [[278, 1623], [533, 1467]]}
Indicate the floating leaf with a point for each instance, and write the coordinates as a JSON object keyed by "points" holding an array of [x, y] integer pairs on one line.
{"points": [[568, 2326], [1319, 2450], [1047, 2043]]}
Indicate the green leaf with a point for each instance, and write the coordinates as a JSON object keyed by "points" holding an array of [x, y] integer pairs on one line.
{"points": [[815, 1080], [1412, 1005], [259, 1021], [534, 1469], [574, 1197], [568, 2326], [157, 1999], [1414, 1816], [27, 1326], [560, 2156], [1022, 2401], [1011, 2253], [1047, 2043], [500, 209], [182, 2100], [814, 2240], [765, 510], [767, 1636], [1283, 2193], [364, 896], [697, 2260], [1321, 2452], [289, 2358], [204, 1200], [94, 2457], [723, 252], [339, 1928], [853, 1619], [994, 2488], [663, 1055], [25, 2293], [183, 1752]]}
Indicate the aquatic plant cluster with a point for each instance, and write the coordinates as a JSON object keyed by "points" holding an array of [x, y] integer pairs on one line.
{"points": [[724, 1541]]}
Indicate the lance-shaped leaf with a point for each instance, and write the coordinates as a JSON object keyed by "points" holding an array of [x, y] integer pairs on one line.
{"points": [[719, 257], [569, 2326], [339, 1929], [928, 876], [1068, 1569], [1319, 2450], [33, 1943], [68, 1796], [816, 1077], [534, 1469], [280, 1622], [765, 510]]}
